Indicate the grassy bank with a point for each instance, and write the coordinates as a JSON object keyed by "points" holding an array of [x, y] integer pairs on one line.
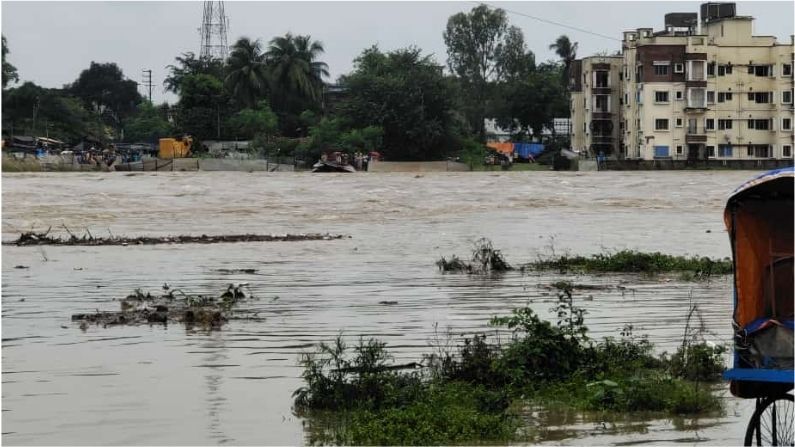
{"points": [[11, 164], [473, 389]]}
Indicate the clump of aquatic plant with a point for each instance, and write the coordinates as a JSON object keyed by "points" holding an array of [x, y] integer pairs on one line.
{"points": [[484, 259]]}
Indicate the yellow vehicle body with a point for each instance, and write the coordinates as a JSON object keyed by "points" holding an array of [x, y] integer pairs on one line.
{"points": [[175, 147]]}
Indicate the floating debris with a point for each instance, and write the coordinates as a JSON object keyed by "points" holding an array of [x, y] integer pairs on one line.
{"points": [[233, 271], [175, 306], [31, 238], [21, 267]]}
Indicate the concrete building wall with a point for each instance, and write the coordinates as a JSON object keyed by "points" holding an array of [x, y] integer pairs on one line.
{"points": [[595, 84], [711, 94]]}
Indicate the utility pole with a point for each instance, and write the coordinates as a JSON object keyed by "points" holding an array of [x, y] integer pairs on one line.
{"points": [[147, 75]]}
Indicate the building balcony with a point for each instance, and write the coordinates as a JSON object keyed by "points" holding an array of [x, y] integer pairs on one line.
{"points": [[602, 138], [695, 138], [597, 90], [601, 115]]}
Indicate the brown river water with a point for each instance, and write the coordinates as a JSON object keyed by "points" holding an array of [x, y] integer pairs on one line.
{"points": [[156, 385]]}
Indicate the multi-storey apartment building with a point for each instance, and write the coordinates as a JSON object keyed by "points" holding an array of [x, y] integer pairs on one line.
{"points": [[719, 92], [595, 88]]}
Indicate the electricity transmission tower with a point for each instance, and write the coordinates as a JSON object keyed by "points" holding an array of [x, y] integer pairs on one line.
{"points": [[147, 82], [213, 31]]}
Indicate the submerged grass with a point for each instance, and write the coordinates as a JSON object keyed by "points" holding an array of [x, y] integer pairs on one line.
{"points": [[469, 391], [630, 261]]}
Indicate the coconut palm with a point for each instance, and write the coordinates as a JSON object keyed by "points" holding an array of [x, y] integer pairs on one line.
{"points": [[293, 67], [248, 75], [567, 52]]}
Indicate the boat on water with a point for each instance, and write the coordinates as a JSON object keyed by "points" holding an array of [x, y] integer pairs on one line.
{"points": [[331, 166]]}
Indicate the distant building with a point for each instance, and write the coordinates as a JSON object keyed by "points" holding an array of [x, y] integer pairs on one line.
{"points": [[595, 87], [494, 133], [687, 93]]}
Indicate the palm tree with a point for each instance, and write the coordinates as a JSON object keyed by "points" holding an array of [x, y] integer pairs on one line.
{"points": [[294, 69], [567, 53], [248, 76]]}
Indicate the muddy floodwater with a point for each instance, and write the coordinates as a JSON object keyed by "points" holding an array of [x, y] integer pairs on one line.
{"points": [[156, 385]]}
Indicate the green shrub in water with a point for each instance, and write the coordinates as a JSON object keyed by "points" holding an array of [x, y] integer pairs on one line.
{"points": [[698, 361]]}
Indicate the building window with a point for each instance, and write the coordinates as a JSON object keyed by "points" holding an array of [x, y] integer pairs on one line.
{"points": [[696, 97], [724, 150], [602, 103], [679, 68], [679, 95], [711, 69], [760, 70], [786, 124], [709, 124], [679, 122], [786, 97], [661, 124], [660, 70], [660, 96], [763, 124], [724, 124], [786, 151], [679, 150], [724, 70], [711, 97], [710, 151], [602, 79], [626, 99], [761, 97], [661, 152], [724, 96], [786, 69], [760, 151]]}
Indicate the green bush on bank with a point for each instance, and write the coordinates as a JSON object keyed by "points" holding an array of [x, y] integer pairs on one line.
{"points": [[468, 393]]}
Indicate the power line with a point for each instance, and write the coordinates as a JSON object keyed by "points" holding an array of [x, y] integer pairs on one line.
{"points": [[550, 21]]}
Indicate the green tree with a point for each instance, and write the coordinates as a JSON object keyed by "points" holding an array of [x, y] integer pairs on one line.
{"points": [[363, 140], [481, 48], [296, 77], [203, 104], [188, 64], [567, 51], [529, 104], [514, 60], [147, 124], [405, 94], [247, 79], [249, 123], [104, 90], [9, 71], [34, 110]]}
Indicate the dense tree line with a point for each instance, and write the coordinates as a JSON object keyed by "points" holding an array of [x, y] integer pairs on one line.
{"points": [[401, 103]]}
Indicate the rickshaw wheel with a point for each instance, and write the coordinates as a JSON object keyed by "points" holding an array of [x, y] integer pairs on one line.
{"points": [[772, 422]]}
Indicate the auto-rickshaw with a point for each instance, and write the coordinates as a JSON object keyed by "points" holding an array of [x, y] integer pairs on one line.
{"points": [[759, 219]]}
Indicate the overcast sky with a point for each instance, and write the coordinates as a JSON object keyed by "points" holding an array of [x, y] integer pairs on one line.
{"points": [[51, 42]]}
